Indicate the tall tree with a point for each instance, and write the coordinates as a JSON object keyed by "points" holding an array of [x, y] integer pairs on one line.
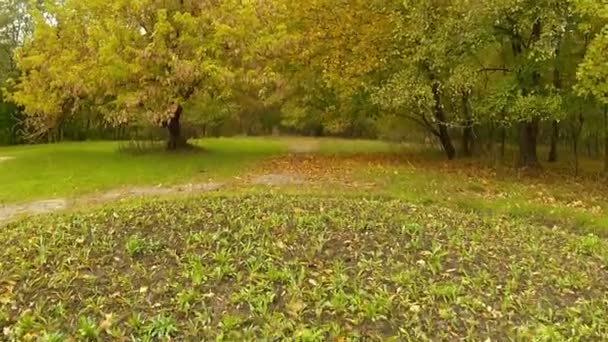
{"points": [[435, 68], [401, 56], [15, 26], [529, 32], [130, 60], [335, 51]]}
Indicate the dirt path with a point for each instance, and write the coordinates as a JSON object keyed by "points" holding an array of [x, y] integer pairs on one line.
{"points": [[12, 211], [304, 145], [33, 208], [299, 168]]}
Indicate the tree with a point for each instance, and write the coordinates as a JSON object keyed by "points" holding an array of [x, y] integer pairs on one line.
{"points": [[15, 26], [593, 71], [529, 32], [132, 61], [331, 51], [436, 70], [387, 57]]}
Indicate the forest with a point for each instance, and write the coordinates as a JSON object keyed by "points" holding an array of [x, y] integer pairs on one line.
{"points": [[471, 77]]}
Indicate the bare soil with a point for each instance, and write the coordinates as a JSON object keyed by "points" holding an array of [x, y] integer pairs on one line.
{"points": [[9, 212]]}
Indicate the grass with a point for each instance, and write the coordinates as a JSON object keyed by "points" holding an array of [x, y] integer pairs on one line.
{"points": [[311, 268], [73, 169], [379, 245], [70, 169], [578, 204], [548, 199]]}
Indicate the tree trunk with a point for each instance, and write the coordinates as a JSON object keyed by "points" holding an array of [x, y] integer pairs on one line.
{"points": [[467, 140], [606, 139], [578, 128], [490, 144], [528, 130], [446, 142], [176, 140], [528, 135], [576, 162], [554, 140], [596, 146], [444, 133], [503, 142], [557, 83], [467, 133]]}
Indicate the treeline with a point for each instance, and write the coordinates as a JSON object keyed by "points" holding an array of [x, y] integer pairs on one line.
{"points": [[469, 76]]}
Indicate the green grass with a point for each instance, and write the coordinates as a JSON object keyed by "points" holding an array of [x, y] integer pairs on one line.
{"points": [[307, 268], [70, 169], [73, 169], [381, 244], [576, 204]]}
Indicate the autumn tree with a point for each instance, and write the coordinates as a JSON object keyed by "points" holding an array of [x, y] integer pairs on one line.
{"points": [[329, 52], [451, 67], [385, 56], [131, 61], [435, 68]]}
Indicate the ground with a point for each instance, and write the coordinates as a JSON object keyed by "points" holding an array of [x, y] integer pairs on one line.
{"points": [[310, 240]]}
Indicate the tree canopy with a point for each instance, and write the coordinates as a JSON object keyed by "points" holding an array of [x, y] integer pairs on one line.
{"points": [[449, 67]]}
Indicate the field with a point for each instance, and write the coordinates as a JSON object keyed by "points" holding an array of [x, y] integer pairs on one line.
{"points": [[308, 240], [72, 169], [69, 169]]}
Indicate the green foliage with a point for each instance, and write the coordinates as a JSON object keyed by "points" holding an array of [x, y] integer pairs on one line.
{"points": [[88, 329], [161, 327], [15, 25], [128, 72], [135, 246], [593, 72], [53, 337], [9, 124], [526, 107], [394, 128]]}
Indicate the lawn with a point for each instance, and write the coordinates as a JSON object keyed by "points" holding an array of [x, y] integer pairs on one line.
{"points": [[70, 169], [552, 199], [73, 169], [370, 242]]}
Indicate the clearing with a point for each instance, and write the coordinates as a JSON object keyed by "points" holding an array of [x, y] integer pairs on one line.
{"points": [[64, 170]]}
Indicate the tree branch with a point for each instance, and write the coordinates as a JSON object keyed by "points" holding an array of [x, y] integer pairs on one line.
{"points": [[494, 69], [430, 126], [422, 124]]}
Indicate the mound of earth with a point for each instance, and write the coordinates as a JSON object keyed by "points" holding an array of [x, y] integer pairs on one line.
{"points": [[297, 267]]}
